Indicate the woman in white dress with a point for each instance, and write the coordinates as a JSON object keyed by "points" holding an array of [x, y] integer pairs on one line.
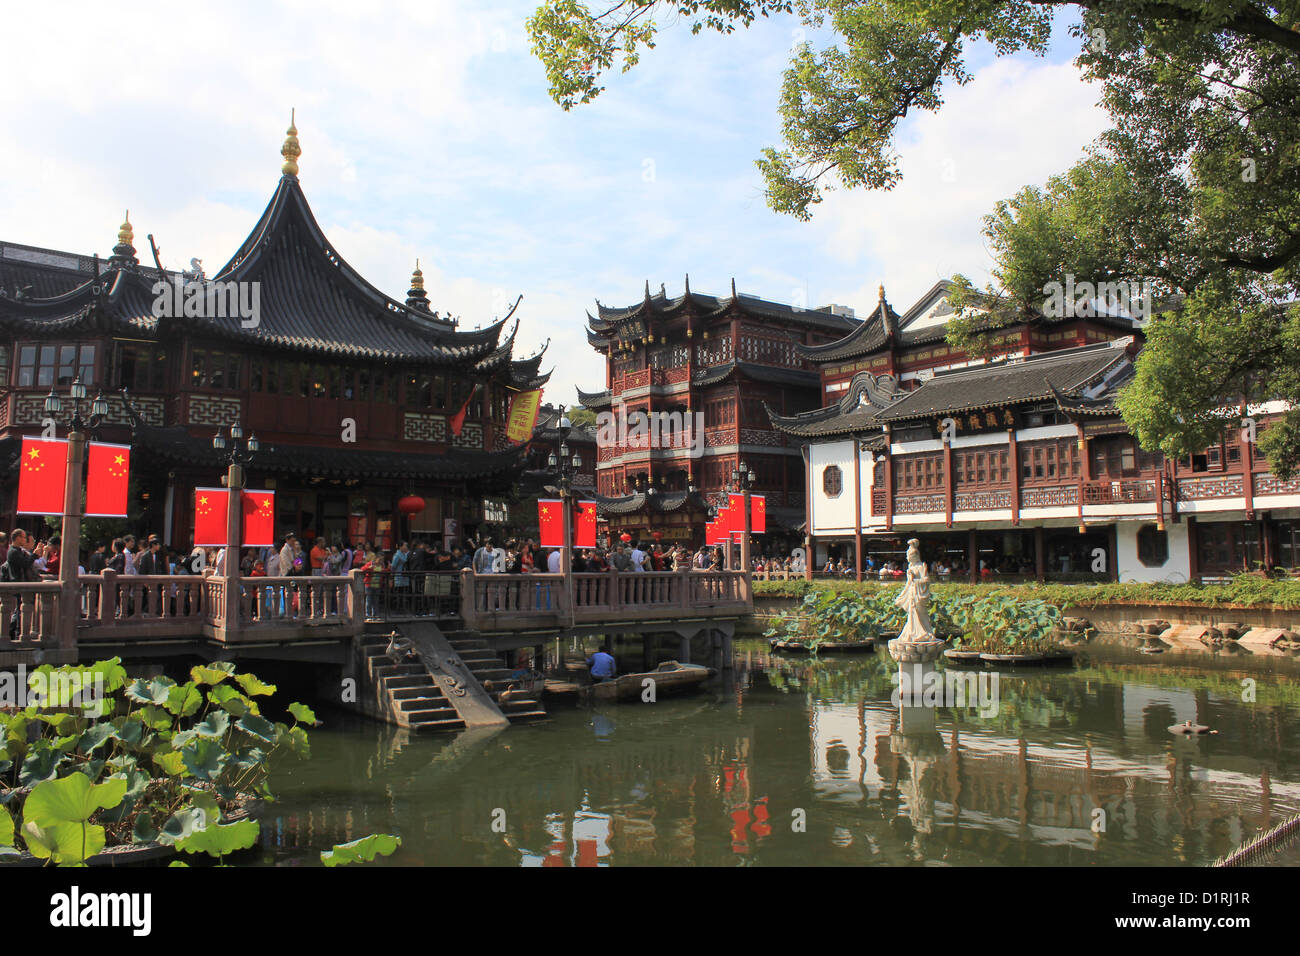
{"points": [[915, 598]]}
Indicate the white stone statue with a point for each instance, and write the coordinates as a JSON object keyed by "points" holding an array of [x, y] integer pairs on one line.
{"points": [[915, 598]]}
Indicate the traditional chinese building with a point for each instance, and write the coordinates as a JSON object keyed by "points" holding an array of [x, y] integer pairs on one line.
{"points": [[698, 358], [1019, 464], [353, 395]]}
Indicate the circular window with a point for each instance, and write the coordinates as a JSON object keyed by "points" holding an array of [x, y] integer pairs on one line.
{"points": [[832, 481]]}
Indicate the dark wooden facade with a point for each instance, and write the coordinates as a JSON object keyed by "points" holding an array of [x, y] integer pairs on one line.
{"points": [[720, 357], [351, 393]]}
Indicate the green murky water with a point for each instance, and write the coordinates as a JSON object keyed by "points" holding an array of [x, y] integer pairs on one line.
{"points": [[782, 761]]}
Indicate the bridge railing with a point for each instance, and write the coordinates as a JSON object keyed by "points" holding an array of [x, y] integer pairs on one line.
{"points": [[524, 601], [296, 601], [29, 613]]}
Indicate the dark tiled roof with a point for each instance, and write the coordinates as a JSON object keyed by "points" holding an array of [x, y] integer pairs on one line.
{"points": [[855, 413], [594, 399], [310, 300], [608, 319], [871, 335], [175, 444], [658, 503], [1002, 383], [764, 373]]}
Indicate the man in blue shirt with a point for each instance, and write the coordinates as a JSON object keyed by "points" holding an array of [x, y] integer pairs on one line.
{"points": [[601, 665]]}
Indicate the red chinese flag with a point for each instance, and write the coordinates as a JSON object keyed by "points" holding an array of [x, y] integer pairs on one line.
{"points": [[550, 522], [107, 476], [210, 517], [257, 529], [758, 514], [42, 476], [458, 420], [708, 533], [584, 525]]}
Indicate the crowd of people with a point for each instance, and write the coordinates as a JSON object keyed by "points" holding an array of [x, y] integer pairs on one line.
{"points": [[419, 577]]}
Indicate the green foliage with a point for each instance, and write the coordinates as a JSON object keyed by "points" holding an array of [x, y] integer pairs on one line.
{"points": [[990, 619], [361, 851], [1242, 590], [56, 817], [152, 751]]}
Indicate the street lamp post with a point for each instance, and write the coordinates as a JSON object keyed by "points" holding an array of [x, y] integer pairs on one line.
{"points": [[70, 608], [237, 452], [565, 468], [742, 478]]}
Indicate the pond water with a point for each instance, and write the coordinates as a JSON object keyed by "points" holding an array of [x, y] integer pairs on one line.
{"points": [[783, 761]]}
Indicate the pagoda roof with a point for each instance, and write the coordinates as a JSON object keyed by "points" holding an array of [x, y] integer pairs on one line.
{"points": [[610, 321], [855, 413], [1033, 378], [886, 329], [310, 299], [764, 373], [595, 399]]}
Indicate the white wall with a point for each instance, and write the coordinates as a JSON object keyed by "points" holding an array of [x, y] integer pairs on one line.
{"points": [[1177, 569], [832, 515]]}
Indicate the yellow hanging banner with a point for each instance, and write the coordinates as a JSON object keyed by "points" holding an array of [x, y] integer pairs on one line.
{"points": [[524, 409]]}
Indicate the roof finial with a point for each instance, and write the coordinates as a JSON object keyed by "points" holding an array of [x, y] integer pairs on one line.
{"points": [[415, 296], [647, 290], [688, 283], [291, 150], [124, 252], [882, 292], [733, 288]]}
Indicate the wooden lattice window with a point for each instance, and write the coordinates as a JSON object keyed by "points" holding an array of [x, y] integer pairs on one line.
{"points": [[832, 481]]}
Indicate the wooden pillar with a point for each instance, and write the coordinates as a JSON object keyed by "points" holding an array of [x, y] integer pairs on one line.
{"points": [[1266, 535], [810, 540], [1248, 477], [1040, 554], [1013, 453], [949, 492], [857, 509], [1193, 551], [972, 548], [889, 482], [1112, 552], [70, 549], [234, 512]]}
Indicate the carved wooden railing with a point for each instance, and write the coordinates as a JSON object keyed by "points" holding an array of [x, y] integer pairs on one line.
{"points": [[523, 601], [29, 614], [1120, 491], [297, 602]]}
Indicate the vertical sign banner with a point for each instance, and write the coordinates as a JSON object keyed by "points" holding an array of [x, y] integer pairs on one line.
{"points": [[524, 409], [550, 522], [210, 517], [584, 525], [257, 523], [758, 514], [42, 476], [108, 475]]}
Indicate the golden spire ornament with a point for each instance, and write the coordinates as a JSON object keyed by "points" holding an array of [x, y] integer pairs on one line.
{"points": [[125, 232], [417, 277], [291, 150]]}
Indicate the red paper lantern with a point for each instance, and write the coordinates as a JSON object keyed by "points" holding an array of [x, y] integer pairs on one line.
{"points": [[657, 535], [411, 505], [625, 537]]}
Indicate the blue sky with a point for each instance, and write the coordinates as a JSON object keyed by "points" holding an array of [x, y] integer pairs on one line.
{"points": [[427, 131]]}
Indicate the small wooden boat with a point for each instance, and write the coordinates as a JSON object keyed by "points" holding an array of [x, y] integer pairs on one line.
{"points": [[670, 677]]}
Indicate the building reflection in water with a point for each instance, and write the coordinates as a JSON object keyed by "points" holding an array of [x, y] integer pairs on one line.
{"points": [[718, 778]]}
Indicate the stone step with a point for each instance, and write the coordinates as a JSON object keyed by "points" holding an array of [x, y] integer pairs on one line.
{"points": [[436, 725], [409, 694], [399, 681], [426, 709]]}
